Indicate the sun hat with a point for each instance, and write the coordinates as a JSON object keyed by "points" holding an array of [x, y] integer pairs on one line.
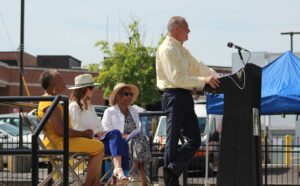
{"points": [[83, 80], [134, 89]]}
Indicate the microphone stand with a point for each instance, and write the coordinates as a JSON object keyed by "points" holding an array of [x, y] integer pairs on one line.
{"points": [[256, 138], [241, 56]]}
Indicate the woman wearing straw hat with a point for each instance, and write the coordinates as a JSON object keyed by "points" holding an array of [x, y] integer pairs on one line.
{"points": [[125, 118], [84, 117], [79, 141]]}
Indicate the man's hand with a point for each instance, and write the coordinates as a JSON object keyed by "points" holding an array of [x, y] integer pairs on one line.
{"points": [[212, 81], [88, 133]]}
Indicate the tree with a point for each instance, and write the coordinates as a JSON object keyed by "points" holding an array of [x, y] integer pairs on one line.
{"points": [[93, 67], [130, 62]]}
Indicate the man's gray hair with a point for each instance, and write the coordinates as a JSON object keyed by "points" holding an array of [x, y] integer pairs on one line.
{"points": [[175, 21]]}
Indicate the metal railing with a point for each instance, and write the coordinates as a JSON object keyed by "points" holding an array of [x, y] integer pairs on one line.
{"points": [[281, 161], [34, 151]]}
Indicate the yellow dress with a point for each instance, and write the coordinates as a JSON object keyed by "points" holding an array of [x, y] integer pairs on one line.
{"points": [[76, 144]]}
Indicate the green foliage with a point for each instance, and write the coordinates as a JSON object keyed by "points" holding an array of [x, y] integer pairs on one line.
{"points": [[93, 67], [130, 62]]}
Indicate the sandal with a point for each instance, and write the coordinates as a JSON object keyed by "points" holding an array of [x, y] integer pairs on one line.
{"points": [[119, 177]]}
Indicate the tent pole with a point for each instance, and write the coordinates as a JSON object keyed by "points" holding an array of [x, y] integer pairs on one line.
{"points": [[208, 122]]}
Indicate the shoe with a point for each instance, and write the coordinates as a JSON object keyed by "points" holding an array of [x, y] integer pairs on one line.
{"points": [[170, 178], [118, 177]]}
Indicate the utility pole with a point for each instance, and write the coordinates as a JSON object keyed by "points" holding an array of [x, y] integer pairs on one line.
{"points": [[291, 36], [21, 68], [22, 46]]}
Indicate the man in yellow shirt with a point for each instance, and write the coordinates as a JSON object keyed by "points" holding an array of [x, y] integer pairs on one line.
{"points": [[177, 73]]}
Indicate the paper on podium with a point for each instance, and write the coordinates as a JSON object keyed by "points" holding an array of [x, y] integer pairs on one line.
{"points": [[133, 133]]}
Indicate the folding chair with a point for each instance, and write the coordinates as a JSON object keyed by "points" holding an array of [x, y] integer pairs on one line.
{"points": [[106, 178], [55, 160]]}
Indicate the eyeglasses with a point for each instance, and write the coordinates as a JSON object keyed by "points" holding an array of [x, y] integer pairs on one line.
{"points": [[127, 94]]}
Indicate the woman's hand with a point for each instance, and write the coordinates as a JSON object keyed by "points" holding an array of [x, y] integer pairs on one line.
{"points": [[124, 136], [100, 134]]}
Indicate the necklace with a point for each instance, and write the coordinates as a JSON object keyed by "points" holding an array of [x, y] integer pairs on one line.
{"points": [[237, 83]]}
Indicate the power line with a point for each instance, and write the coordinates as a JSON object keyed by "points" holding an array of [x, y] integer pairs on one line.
{"points": [[7, 33], [22, 78]]}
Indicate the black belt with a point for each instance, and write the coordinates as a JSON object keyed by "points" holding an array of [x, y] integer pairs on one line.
{"points": [[178, 90]]}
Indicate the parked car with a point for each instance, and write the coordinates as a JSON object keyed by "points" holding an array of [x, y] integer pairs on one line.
{"points": [[160, 134], [213, 133], [100, 110], [13, 119], [200, 109], [9, 138]]}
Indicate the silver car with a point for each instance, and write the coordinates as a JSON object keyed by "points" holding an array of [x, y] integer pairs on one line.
{"points": [[13, 119], [9, 138]]}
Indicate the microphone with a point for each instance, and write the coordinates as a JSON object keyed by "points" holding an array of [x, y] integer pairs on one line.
{"points": [[231, 45]]}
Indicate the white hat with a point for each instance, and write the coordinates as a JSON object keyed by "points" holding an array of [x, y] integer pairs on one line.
{"points": [[84, 80], [134, 89]]}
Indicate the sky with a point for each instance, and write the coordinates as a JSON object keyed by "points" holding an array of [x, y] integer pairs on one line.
{"points": [[72, 27]]}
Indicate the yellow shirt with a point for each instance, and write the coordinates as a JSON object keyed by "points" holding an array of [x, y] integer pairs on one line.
{"points": [[56, 139], [177, 68]]}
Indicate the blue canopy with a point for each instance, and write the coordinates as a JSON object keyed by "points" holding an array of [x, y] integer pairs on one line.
{"points": [[280, 88]]}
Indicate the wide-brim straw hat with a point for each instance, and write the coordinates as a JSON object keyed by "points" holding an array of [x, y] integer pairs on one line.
{"points": [[134, 89], [83, 80]]}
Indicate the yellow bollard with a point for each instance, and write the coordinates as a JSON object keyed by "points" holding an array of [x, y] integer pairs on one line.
{"points": [[154, 123], [288, 149]]}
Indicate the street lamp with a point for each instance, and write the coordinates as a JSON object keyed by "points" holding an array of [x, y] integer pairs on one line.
{"points": [[291, 35]]}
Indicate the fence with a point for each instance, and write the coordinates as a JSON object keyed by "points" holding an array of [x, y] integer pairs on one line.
{"points": [[281, 161], [281, 166], [20, 155]]}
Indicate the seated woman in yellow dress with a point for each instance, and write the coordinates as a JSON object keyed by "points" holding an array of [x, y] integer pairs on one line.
{"points": [[79, 141]]}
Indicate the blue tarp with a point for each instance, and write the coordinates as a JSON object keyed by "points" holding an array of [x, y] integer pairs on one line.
{"points": [[280, 88]]}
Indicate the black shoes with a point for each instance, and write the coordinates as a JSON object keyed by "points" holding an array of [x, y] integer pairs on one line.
{"points": [[170, 178]]}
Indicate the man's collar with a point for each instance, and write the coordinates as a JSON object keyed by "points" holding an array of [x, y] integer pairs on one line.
{"points": [[172, 39]]}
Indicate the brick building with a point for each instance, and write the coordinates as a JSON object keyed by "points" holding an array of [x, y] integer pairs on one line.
{"points": [[68, 66]]}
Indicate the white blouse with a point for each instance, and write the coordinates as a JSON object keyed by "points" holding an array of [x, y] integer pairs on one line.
{"points": [[113, 118], [84, 119]]}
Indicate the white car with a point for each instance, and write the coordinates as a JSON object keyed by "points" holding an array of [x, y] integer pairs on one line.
{"points": [[200, 109], [160, 134], [13, 119], [213, 133], [9, 138]]}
